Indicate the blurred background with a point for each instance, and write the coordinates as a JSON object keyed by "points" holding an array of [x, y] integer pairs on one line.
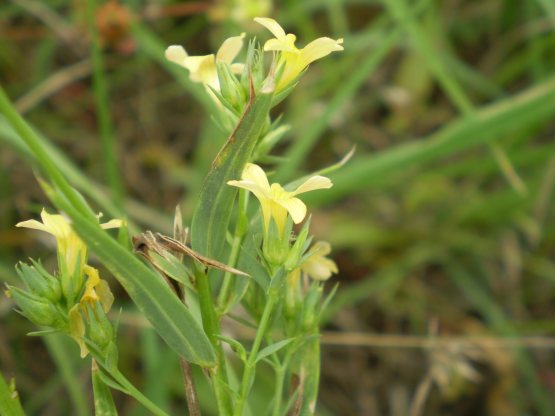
{"points": [[442, 224]]}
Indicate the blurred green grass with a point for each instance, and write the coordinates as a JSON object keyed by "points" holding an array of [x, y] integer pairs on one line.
{"points": [[446, 210]]}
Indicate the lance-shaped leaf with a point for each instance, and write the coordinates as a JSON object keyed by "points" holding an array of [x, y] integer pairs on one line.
{"points": [[213, 210]]}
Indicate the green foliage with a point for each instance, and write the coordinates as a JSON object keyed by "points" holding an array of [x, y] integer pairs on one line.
{"points": [[446, 209], [9, 399], [214, 207]]}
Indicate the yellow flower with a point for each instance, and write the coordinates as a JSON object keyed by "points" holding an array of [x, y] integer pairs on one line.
{"points": [[72, 251], [203, 69], [318, 266], [97, 289], [292, 59], [275, 201]]}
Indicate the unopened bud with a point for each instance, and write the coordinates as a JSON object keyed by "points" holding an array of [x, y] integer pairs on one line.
{"points": [[99, 328], [276, 245], [38, 310], [39, 281], [310, 307]]}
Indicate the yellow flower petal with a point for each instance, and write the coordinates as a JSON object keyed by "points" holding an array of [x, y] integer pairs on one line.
{"points": [[295, 207], [230, 49], [322, 248], [237, 68], [286, 44], [256, 174], [176, 54], [105, 295], [319, 269], [202, 69], [33, 224], [275, 201], [313, 183], [71, 248], [271, 25], [97, 289], [293, 60], [318, 49], [317, 266]]}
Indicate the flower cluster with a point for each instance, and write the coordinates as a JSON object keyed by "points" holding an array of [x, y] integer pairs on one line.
{"points": [[291, 61], [76, 296]]}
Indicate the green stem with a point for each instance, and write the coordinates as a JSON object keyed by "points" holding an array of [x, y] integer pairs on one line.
{"points": [[211, 328], [136, 394], [280, 379], [240, 231], [103, 401], [311, 369], [223, 296], [121, 382], [250, 365], [102, 104]]}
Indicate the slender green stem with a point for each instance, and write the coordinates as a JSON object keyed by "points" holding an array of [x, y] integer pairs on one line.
{"points": [[240, 231], [103, 401], [34, 143], [250, 365], [136, 394], [102, 104], [223, 296], [211, 328], [280, 379], [59, 353], [311, 371]]}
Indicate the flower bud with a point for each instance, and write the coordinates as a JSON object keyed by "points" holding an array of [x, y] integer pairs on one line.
{"points": [[72, 282], [276, 245], [39, 281], [231, 89], [99, 329], [292, 295], [38, 310], [310, 307]]}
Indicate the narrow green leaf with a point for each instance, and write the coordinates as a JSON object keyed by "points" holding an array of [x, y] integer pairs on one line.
{"points": [[213, 210], [270, 349], [170, 265], [9, 399], [103, 400], [521, 111]]}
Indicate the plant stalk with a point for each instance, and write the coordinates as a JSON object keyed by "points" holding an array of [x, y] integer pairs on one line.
{"points": [[211, 328], [250, 365]]}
